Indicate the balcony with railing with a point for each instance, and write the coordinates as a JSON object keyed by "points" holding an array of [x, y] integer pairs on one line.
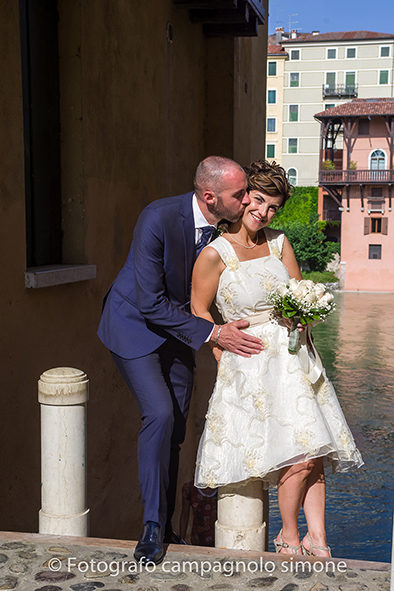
{"points": [[340, 91], [344, 177]]}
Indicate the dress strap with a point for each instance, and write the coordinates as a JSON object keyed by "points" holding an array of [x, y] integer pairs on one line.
{"points": [[275, 239], [226, 252]]}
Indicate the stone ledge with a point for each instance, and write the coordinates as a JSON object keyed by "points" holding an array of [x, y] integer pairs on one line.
{"points": [[59, 563], [50, 275]]}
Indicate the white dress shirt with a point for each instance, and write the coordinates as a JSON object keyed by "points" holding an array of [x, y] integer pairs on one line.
{"points": [[199, 220], [199, 223]]}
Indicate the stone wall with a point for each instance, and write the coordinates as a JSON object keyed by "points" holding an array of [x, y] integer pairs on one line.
{"points": [[144, 96]]}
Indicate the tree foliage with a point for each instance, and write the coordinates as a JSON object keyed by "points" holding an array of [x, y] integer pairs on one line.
{"points": [[299, 220]]}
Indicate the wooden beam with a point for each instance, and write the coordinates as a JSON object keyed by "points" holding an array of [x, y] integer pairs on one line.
{"points": [[334, 193], [236, 30], [207, 4], [221, 17]]}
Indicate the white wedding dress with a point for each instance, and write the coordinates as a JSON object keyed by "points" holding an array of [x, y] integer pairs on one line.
{"points": [[264, 413]]}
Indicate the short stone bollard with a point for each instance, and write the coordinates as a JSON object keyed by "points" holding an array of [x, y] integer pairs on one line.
{"points": [[241, 512], [62, 394]]}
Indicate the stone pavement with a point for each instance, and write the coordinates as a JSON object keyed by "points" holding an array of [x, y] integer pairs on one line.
{"points": [[34, 562]]}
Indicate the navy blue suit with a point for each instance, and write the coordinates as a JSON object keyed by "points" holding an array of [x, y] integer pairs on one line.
{"points": [[147, 326]]}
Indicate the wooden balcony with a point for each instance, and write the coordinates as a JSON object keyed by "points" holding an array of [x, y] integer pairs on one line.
{"points": [[348, 177], [237, 18]]}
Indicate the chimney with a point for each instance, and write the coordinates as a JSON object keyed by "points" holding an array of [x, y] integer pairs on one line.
{"points": [[294, 34], [315, 32], [279, 34]]}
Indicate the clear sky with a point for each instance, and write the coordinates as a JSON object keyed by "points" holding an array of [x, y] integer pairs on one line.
{"points": [[332, 15]]}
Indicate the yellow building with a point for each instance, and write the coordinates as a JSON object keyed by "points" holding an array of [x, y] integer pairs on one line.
{"points": [[276, 58]]}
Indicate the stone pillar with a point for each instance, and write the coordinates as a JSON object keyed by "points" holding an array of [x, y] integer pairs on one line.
{"points": [[241, 520], [63, 393], [342, 274]]}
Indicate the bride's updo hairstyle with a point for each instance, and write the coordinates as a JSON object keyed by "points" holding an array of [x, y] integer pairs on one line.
{"points": [[269, 178]]}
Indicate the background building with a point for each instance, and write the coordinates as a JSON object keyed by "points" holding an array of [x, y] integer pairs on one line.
{"points": [[104, 106], [358, 182], [322, 71], [275, 78]]}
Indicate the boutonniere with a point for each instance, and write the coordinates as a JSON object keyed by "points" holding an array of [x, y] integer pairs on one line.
{"points": [[221, 229]]}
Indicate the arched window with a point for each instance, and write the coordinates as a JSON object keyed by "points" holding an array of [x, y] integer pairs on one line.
{"points": [[292, 176], [377, 160]]}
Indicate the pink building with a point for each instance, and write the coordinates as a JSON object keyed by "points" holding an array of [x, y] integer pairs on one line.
{"points": [[355, 178]]}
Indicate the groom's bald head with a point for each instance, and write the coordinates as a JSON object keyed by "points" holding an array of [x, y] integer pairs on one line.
{"points": [[220, 186], [211, 173]]}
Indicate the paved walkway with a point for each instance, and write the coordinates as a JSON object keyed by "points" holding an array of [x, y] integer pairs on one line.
{"points": [[33, 562]]}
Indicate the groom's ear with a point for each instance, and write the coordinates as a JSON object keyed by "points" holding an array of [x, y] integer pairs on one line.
{"points": [[209, 197]]}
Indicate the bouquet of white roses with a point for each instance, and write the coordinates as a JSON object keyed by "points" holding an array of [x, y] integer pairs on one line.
{"points": [[303, 301]]}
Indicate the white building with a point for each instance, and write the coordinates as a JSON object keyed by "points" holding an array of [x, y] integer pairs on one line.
{"points": [[322, 71]]}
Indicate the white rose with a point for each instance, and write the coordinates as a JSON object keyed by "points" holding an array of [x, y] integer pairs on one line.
{"points": [[326, 299], [309, 284], [282, 289], [293, 283], [310, 298], [301, 291], [319, 290]]}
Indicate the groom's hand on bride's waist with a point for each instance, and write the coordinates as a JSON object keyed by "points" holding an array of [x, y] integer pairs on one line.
{"points": [[231, 337]]}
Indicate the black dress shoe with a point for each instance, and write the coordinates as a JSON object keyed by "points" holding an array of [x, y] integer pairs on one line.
{"points": [[172, 538], [150, 545]]}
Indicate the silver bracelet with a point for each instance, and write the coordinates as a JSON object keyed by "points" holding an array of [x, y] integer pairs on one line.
{"points": [[218, 335]]}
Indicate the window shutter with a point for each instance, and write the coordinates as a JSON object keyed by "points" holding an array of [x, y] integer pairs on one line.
{"points": [[366, 225], [384, 225]]}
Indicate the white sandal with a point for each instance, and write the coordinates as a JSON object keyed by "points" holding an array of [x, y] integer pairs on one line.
{"points": [[279, 544], [309, 552]]}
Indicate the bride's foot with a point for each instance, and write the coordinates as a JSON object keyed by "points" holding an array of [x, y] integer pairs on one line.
{"points": [[282, 547], [316, 548]]}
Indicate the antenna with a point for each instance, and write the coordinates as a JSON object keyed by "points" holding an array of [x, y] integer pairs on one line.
{"points": [[292, 22]]}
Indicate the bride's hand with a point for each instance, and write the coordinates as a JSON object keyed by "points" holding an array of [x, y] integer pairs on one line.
{"points": [[289, 323], [217, 353]]}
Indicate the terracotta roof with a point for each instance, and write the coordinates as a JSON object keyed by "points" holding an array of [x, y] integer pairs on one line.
{"points": [[339, 36], [360, 107], [276, 50]]}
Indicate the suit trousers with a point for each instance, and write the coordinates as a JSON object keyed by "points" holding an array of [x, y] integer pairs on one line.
{"points": [[162, 385]]}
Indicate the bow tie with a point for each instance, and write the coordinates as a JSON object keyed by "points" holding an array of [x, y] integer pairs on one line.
{"points": [[206, 235]]}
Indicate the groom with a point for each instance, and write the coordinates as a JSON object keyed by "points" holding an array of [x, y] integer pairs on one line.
{"points": [[147, 326]]}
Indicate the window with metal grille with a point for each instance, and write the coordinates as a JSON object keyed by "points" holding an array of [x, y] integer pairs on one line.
{"points": [[375, 251]]}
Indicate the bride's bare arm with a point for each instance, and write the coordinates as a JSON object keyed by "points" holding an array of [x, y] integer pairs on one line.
{"points": [[206, 274], [207, 270]]}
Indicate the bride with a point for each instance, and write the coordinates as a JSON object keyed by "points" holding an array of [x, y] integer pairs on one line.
{"points": [[265, 418]]}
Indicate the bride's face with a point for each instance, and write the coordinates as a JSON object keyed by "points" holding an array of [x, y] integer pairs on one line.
{"points": [[261, 210]]}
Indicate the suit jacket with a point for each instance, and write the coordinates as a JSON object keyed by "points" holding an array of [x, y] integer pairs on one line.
{"points": [[147, 302]]}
